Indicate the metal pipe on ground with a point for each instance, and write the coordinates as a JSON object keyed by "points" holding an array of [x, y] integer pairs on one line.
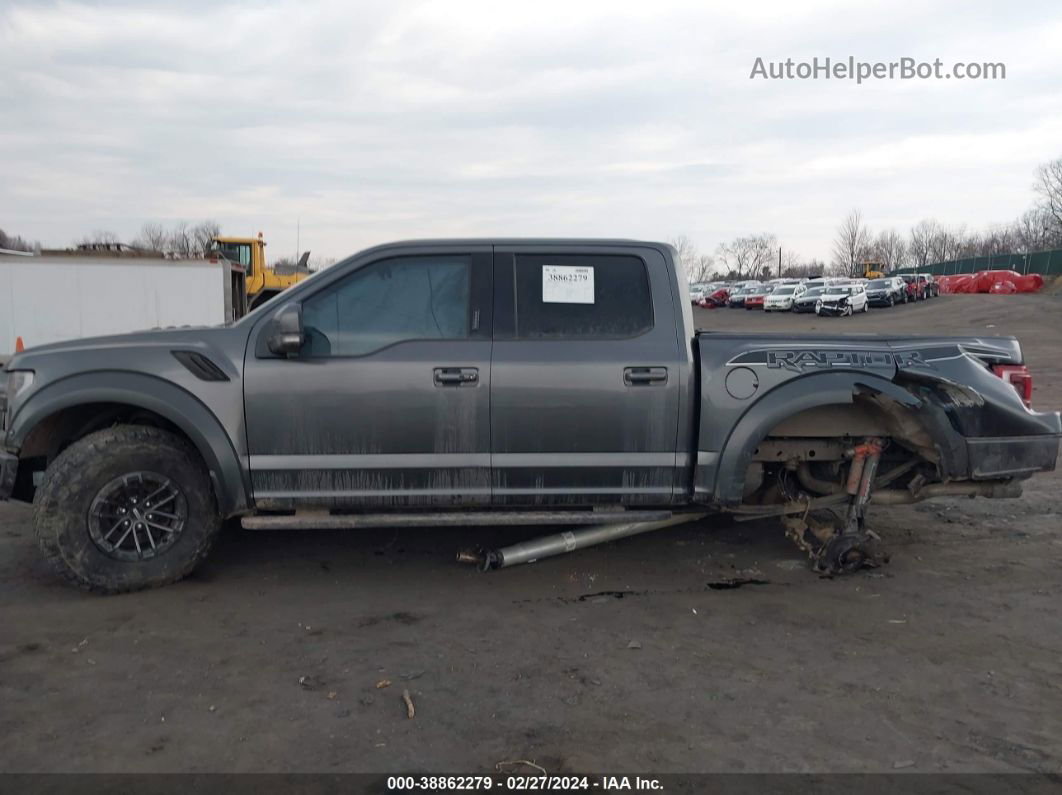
{"points": [[568, 541], [997, 489]]}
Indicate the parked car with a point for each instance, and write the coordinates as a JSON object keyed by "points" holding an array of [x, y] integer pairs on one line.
{"points": [[930, 287], [842, 299], [916, 290], [715, 299], [497, 383], [755, 299], [885, 292], [808, 299], [737, 299], [782, 297]]}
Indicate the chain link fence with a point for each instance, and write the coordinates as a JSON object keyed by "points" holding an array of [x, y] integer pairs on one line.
{"points": [[1046, 263]]}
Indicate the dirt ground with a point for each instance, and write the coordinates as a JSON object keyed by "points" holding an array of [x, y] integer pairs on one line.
{"points": [[708, 647]]}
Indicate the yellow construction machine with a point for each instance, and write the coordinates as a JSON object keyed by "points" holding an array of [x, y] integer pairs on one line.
{"points": [[873, 270], [263, 282]]}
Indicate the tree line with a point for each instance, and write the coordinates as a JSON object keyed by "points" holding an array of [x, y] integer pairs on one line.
{"points": [[183, 239], [928, 241], [17, 243]]}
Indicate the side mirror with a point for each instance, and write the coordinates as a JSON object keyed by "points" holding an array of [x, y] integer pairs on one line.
{"points": [[286, 337]]}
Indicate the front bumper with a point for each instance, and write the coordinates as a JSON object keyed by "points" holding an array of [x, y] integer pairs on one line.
{"points": [[8, 470], [832, 309]]}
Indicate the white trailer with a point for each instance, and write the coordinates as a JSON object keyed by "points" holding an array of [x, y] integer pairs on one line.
{"points": [[60, 297]]}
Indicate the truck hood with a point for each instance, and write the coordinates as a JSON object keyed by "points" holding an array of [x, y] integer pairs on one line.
{"points": [[192, 336]]}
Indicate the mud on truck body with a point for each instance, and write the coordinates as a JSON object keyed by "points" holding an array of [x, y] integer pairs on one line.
{"points": [[553, 382]]}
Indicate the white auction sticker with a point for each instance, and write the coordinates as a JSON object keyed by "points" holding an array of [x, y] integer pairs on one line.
{"points": [[566, 284]]}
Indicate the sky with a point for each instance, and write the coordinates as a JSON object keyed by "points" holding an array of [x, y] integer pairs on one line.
{"points": [[357, 123]]}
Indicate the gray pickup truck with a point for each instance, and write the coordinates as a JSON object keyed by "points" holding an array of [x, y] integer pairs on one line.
{"points": [[552, 382]]}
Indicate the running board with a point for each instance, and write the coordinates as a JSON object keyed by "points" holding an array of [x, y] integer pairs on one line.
{"points": [[322, 520]]}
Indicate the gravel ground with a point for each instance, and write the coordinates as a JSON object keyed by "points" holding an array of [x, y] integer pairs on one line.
{"points": [[707, 647]]}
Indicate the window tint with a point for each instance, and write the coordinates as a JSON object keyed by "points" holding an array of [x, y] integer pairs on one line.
{"points": [[613, 302], [406, 298]]}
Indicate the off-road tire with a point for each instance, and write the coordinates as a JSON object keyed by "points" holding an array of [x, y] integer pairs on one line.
{"points": [[71, 483]]}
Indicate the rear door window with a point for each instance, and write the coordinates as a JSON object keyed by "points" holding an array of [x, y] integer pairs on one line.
{"points": [[585, 296]]}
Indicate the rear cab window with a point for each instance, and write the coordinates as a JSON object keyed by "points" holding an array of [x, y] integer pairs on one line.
{"points": [[581, 296]]}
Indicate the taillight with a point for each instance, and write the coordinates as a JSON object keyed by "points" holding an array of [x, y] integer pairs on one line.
{"points": [[1019, 377]]}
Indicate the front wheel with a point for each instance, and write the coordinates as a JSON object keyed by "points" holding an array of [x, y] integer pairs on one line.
{"points": [[126, 508]]}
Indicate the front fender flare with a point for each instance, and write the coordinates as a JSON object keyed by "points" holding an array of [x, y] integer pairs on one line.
{"points": [[164, 398]]}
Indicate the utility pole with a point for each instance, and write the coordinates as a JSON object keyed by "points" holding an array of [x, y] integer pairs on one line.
{"points": [[779, 262]]}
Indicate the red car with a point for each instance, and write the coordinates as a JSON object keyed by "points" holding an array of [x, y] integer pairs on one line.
{"points": [[916, 288], [714, 299], [755, 300]]}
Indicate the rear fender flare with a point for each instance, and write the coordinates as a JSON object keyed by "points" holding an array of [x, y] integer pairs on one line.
{"points": [[783, 402], [156, 395]]}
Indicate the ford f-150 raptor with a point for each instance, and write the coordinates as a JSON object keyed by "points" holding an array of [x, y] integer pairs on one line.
{"points": [[551, 382]]}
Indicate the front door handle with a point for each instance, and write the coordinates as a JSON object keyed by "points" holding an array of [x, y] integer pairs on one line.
{"points": [[456, 376], [645, 376]]}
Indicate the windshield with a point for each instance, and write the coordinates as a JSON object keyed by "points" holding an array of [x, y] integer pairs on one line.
{"points": [[784, 290], [234, 252], [878, 284], [840, 291], [813, 292]]}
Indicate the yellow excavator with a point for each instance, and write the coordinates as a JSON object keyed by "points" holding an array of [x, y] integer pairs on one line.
{"points": [[262, 282], [873, 270]]}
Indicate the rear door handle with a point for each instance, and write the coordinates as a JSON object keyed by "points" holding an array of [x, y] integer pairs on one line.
{"points": [[645, 376], [456, 376]]}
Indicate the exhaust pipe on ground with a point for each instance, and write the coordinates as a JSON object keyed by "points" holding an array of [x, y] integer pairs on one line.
{"points": [[568, 541]]}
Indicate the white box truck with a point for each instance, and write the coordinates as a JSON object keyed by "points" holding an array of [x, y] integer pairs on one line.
{"points": [[67, 296]]}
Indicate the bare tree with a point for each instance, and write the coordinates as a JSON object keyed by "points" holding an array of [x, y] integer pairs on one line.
{"points": [[947, 243], [921, 244], [100, 237], [1033, 231], [748, 256], [890, 249], [203, 234], [181, 242], [152, 237], [698, 266], [17, 243], [851, 244], [1049, 187]]}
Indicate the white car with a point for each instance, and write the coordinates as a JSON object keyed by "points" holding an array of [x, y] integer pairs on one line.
{"points": [[842, 299], [781, 298]]}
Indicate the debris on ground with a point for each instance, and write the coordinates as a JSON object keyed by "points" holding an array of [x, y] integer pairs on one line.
{"points": [[383, 683], [539, 768], [634, 645], [410, 712]]}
